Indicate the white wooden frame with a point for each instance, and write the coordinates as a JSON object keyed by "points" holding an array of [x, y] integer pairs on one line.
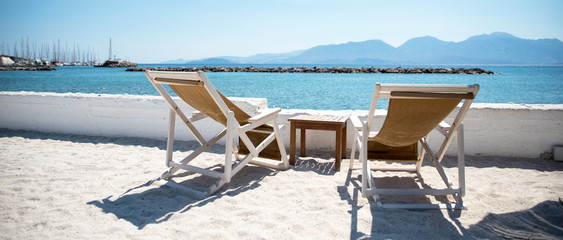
{"points": [[232, 131], [416, 91]]}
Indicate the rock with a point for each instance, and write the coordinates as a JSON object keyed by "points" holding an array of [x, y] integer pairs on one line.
{"points": [[26, 68], [319, 70]]}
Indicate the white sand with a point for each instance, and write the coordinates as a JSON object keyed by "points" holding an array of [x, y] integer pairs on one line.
{"points": [[67, 186]]}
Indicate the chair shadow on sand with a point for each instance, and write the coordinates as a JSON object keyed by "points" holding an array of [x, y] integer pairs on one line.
{"points": [[320, 161], [153, 203], [543, 221], [389, 223], [312, 165]]}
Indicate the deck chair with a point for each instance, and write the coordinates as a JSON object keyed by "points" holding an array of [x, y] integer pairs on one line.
{"points": [[413, 112], [259, 136]]}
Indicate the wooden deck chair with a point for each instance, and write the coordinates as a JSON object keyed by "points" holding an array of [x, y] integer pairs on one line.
{"points": [[413, 112], [259, 135]]}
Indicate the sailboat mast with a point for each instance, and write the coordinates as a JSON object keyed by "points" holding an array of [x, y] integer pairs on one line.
{"points": [[109, 48]]}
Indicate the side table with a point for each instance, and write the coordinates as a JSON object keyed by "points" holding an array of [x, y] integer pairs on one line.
{"points": [[315, 122]]}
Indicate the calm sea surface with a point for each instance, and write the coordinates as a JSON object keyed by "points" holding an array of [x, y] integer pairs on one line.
{"points": [[517, 84]]}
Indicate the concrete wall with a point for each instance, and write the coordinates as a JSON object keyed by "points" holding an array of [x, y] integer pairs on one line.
{"points": [[103, 114], [490, 129]]}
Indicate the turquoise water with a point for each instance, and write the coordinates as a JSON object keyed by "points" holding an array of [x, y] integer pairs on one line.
{"points": [[517, 84]]}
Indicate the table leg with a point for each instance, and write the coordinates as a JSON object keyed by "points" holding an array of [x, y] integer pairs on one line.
{"points": [[303, 137], [344, 133], [292, 145], [338, 144]]}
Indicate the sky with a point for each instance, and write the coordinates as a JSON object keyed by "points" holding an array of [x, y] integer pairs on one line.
{"points": [[153, 31]]}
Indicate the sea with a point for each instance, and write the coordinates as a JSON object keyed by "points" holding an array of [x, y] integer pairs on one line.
{"points": [[320, 91]]}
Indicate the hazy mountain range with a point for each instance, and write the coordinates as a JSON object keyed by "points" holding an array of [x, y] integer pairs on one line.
{"points": [[495, 48]]}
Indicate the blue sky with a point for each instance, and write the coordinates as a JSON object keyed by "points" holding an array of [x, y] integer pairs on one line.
{"points": [[154, 31]]}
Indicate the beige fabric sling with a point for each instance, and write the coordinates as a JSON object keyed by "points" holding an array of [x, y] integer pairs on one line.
{"points": [[199, 98], [407, 121]]}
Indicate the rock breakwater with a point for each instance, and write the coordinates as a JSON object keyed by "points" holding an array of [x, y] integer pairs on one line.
{"points": [[319, 70], [27, 68]]}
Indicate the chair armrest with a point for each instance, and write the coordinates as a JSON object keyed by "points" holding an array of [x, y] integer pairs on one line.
{"points": [[444, 125], [356, 122], [443, 128], [265, 115], [196, 116], [256, 121]]}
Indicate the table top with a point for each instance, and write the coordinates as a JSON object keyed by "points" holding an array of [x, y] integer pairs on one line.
{"points": [[319, 119]]}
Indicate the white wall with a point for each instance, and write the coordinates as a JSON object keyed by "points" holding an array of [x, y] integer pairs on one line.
{"points": [[490, 129], [102, 114]]}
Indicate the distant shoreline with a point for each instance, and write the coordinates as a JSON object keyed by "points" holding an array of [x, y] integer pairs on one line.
{"points": [[27, 68], [474, 71]]}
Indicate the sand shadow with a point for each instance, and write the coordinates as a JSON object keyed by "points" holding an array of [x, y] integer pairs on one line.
{"points": [[153, 203], [183, 146], [543, 221], [545, 165], [305, 164], [415, 182], [321, 162], [352, 199], [390, 223]]}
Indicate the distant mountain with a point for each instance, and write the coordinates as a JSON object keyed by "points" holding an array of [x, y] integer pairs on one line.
{"points": [[505, 48], [494, 48], [212, 61], [179, 60], [347, 53], [265, 57], [258, 58], [426, 49]]}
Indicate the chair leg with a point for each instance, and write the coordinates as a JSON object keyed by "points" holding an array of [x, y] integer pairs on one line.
{"points": [[283, 153], [229, 146], [353, 153], [366, 170], [235, 148], [170, 142], [421, 155], [461, 159]]}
